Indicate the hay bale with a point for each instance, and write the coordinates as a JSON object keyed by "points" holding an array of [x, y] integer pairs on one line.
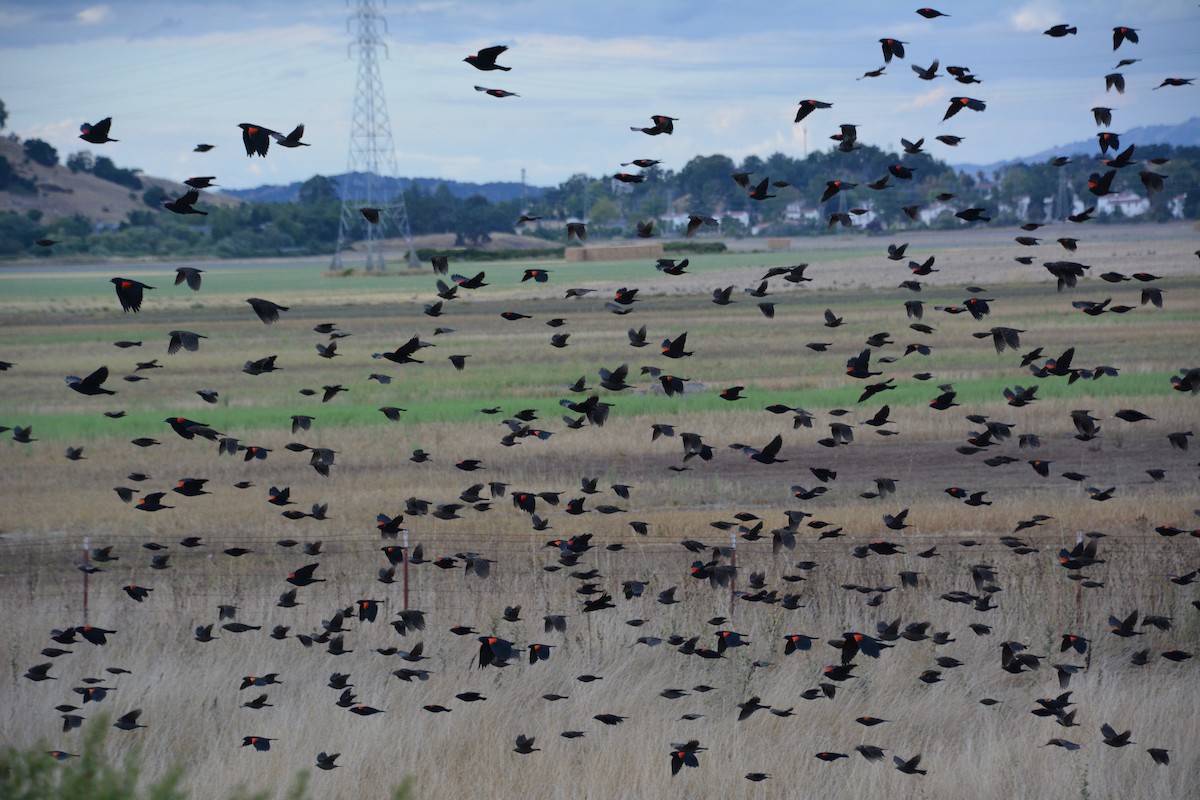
{"points": [[615, 252]]}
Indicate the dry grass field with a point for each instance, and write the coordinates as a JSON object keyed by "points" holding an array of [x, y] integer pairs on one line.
{"points": [[60, 321]]}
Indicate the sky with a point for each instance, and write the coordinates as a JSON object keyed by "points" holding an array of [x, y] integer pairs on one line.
{"points": [[173, 75]]}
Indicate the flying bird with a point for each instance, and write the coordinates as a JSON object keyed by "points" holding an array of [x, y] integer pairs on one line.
{"points": [[98, 133], [496, 92], [184, 203], [129, 292], [485, 59], [93, 384], [292, 139], [256, 139], [662, 124], [959, 103]]}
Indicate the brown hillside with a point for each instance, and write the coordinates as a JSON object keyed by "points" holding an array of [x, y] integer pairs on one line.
{"points": [[62, 193]]}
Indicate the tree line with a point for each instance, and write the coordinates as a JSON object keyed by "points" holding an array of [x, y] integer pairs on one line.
{"points": [[309, 226]]}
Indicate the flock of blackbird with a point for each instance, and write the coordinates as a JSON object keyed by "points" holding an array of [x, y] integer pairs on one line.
{"points": [[1147, 635]]}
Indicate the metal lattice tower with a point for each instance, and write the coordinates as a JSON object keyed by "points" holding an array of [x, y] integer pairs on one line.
{"points": [[372, 152]]}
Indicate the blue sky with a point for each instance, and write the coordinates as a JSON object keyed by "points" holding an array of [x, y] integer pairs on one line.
{"points": [[174, 74]]}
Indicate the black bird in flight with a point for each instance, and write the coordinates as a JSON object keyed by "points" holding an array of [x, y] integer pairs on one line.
{"points": [[92, 384], [256, 138], [98, 133], [485, 59]]}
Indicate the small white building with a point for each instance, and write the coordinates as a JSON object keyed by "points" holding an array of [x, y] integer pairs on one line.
{"points": [[1127, 204]]}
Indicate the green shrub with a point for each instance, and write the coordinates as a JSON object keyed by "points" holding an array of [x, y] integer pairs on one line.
{"points": [[91, 774]]}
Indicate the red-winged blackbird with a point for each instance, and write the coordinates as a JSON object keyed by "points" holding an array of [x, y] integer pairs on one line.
{"points": [[152, 502], [959, 103], [98, 133], [892, 47], [1123, 34], [256, 138], [809, 106], [485, 59], [129, 292], [496, 92], [304, 576], [494, 651], [260, 743], [137, 593], [685, 755]]}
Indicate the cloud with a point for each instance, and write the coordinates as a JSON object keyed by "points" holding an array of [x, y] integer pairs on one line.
{"points": [[1035, 17], [93, 15], [931, 98]]}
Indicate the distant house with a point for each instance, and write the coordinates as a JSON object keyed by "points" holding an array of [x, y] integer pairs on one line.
{"points": [[673, 220], [797, 212], [1127, 204], [932, 211]]}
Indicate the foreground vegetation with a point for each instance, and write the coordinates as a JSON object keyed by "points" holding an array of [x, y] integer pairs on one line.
{"points": [[96, 774]]}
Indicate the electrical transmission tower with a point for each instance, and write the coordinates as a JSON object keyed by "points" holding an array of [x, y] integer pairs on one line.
{"points": [[372, 152]]}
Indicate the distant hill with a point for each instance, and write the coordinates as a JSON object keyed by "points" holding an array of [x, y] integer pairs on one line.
{"points": [[62, 193], [1185, 134], [494, 192]]}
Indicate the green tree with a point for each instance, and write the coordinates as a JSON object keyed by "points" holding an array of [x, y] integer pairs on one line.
{"points": [[154, 196], [12, 182], [41, 152], [83, 161], [706, 179], [3, 115], [443, 210], [604, 212], [104, 168], [319, 189], [474, 221]]}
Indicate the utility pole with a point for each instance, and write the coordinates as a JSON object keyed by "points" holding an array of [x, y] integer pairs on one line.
{"points": [[372, 152]]}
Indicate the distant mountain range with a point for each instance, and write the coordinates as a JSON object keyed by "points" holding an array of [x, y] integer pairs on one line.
{"points": [[1185, 134], [494, 192]]}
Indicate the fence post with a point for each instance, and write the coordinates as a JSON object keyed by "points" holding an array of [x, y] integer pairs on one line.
{"points": [[404, 550], [732, 563], [87, 559]]}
